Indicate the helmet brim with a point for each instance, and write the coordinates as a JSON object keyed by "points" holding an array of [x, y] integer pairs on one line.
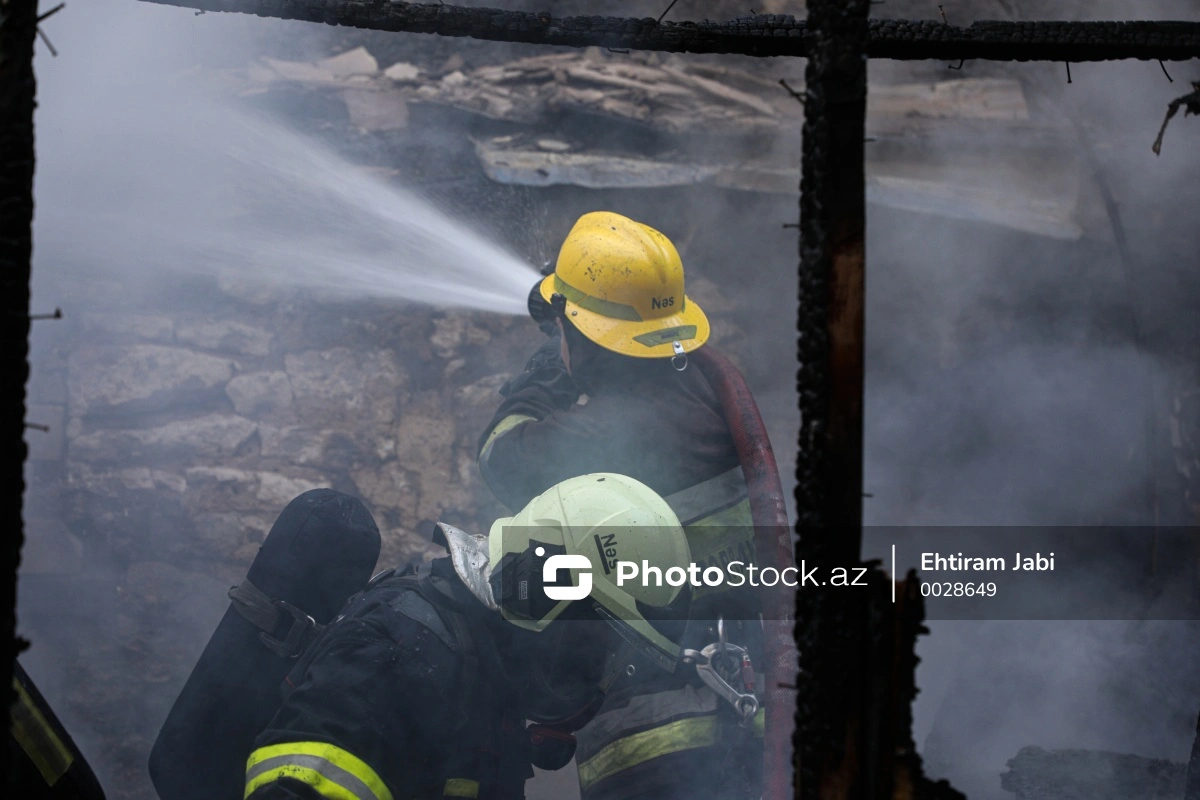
{"points": [[652, 338]]}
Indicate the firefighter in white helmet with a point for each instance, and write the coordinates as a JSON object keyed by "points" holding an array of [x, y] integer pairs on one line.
{"points": [[612, 391], [425, 684]]}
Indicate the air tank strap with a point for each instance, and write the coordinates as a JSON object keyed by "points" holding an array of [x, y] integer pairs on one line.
{"points": [[265, 613]]}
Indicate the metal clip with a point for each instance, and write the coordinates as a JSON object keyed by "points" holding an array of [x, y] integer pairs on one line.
{"points": [[679, 361], [745, 705]]}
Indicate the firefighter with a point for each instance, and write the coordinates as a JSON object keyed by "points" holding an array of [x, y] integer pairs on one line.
{"points": [[43, 761], [423, 685], [611, 391]]}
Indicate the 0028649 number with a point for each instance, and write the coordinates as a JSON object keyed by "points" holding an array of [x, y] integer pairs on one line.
{"points": [[947, 589]]}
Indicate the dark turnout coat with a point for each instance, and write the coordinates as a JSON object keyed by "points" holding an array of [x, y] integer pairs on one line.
{"points": [[656, 734], [398, 698]]}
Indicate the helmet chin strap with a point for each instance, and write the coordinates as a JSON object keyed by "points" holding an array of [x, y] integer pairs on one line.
{"points": [[469, 555]]}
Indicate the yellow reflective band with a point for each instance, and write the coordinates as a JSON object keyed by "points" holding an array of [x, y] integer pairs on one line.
{"points": [[597, 305], [461, 787], [760, 723], [627, 752], [655, 338], [504, 426], [329, 770], [38, 739]]}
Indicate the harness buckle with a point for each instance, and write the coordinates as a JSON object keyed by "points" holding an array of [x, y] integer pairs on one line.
{"points": [[302, 631]]}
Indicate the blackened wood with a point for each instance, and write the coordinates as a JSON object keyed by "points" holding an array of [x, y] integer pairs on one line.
{"points": [[18, 27], [834, 629], [754, 35]]}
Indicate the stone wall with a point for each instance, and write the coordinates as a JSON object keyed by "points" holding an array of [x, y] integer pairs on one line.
{"points": [[186, 432]]}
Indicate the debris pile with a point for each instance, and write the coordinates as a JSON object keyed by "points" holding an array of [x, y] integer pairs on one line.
{"points": [[639, 120]]}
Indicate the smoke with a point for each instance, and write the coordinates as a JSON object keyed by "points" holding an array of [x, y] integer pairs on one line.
{"points": [[1014, 380], [1009, 376], [171, 175]]}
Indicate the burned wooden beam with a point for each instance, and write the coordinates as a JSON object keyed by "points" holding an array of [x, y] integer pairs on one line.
{"points": [[756, 35], [1190, 104], [832, 229], [18, 26], [833, 628]]}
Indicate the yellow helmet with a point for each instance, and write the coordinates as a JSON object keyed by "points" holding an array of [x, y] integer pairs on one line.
{"points": [[623, 284]]}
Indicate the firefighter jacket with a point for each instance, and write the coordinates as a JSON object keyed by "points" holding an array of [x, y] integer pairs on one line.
{"points": [[644, 419], [44, 763], [397, 699]]}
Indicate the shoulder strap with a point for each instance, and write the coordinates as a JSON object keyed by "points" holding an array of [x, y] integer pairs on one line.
{"points": [[265, 613], [461, 631]]}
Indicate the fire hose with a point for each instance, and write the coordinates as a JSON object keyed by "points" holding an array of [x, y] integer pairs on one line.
{"points": [[773, 545]]}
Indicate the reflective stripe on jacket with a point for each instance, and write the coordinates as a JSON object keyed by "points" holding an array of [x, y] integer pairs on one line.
{"points": [[388, 703], [331, 771]]}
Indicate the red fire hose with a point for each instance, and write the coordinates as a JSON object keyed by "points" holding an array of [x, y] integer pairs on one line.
{"points": [[773, 547]]}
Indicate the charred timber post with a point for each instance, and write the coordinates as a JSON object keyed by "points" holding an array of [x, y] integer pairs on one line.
{"points": [[833, 628], [757, 35], [18, 24]]}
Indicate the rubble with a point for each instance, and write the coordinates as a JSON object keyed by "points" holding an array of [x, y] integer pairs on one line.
{"points": [[402, 72], [641, 120], [351, 64], [372, 111]]}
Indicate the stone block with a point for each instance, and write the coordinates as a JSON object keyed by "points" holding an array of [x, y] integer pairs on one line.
{"points": [[344, 385], [293, 444], [484, 392], [221, 489], [258, 393], [387, 487], [117, 482], [455, 330], [224, 336], [275, 490], [142, 378], [210, 437]]}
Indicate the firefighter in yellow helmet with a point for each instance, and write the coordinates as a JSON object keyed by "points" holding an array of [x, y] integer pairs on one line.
{"points": [[612, 391], [622, 288]]}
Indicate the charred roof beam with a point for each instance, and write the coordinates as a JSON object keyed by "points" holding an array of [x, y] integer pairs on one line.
{"points": [[756, 35]]}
